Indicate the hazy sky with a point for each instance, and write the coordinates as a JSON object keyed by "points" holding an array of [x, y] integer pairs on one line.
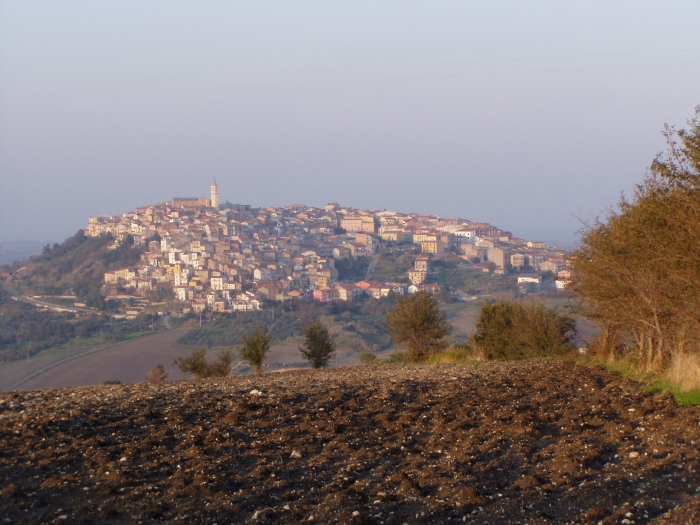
{"points": [[523, 114]]}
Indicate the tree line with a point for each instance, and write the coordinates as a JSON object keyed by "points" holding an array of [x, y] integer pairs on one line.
{"points": [[284, 320], [637, 270], [505, 330], [318, 349]]}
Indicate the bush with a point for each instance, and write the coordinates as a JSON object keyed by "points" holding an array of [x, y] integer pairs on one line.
{"points": [[318, 349], [254, 348], [396, 356], [222, 366], [366, 358], [508, 330], [157, 375], [197, 364], [417, 324]]}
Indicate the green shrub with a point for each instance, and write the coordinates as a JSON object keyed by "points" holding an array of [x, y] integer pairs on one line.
{"points": [[318, 348], [367, 358], [197, 364], [396, 356], [508, 330], [417, 324], [254, 348]]}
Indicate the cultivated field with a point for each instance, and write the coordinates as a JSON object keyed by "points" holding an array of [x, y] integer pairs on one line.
{"points": [[130, 361], [127, 361], [528, 442]]}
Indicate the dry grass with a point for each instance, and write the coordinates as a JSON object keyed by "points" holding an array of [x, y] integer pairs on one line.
{"points": [[681, 377], [457, 355], [684, 371]]}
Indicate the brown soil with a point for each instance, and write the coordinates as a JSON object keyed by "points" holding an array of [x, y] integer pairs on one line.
{"points": [[127, 361], [531, 442], [130, 362]]}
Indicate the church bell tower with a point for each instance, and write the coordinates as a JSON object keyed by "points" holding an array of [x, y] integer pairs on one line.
{"points": [[214, 195]]}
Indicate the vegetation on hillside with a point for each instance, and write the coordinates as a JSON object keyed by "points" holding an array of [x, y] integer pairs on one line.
{"points": [[352, 269], [357, 325], [394, 265], [637, 273], [475, 281], [76, 267], [26, 330]]}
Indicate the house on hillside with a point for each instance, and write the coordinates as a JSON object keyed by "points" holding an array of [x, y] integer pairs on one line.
{"points": [[529, 282]]}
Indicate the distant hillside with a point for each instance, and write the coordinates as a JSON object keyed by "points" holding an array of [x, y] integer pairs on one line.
{"points": [[75, 267], [26, 330]]}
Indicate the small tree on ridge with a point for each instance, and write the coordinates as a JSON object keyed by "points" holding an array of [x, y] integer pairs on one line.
{"points": [[318, 348], [197, 364], [417, 324], [254, 348], [157, 375]]}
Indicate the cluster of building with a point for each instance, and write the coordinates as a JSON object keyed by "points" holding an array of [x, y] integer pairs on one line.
{"points": [[231, 257]]}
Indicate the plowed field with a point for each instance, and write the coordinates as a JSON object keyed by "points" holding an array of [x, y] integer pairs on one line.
{"points": [[530, 442]]}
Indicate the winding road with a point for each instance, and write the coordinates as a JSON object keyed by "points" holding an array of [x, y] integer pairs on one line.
{"points": [[48, 306]]}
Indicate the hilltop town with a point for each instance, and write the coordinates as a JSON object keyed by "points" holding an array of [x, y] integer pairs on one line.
{"points": [[231, 257]]}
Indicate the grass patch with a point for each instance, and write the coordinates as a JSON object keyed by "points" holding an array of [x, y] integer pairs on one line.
{"points": [[477, 282], [134, 335], [652, 383], [690, 397], [166, 306], [81, 341], [367, 317], [454, 356], [687, 398], [57, 302]]}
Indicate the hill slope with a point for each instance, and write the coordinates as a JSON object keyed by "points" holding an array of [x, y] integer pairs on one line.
{"points": [[530, 442], [75, 266]]}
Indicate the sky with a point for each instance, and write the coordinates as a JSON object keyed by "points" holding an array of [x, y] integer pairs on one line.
{"points": [[528, 115]]}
